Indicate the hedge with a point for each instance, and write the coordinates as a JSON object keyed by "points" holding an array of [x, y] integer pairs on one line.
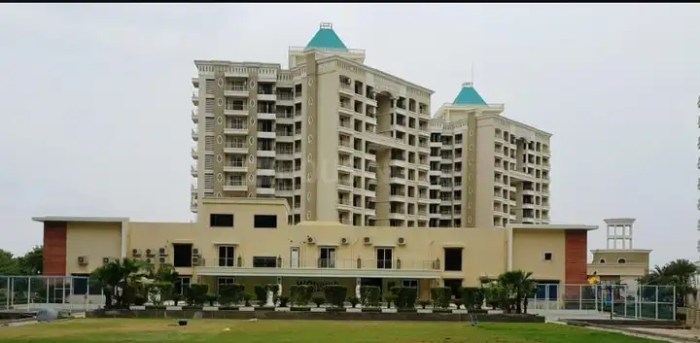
{"points": [[301, 295], [370, 295], [472, 297], [229, 294], [260, 294], [441, 296], [335, 294], [405, 296], [197, 294]]}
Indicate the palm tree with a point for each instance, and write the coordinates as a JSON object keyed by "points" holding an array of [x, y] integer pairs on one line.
{"points": [[679, 273], [519, 283]]}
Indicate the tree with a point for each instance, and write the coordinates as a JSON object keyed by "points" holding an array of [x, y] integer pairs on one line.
{"points": [[117, 278], [679, 273], [32, 263], [518, 284], [8, 264]]}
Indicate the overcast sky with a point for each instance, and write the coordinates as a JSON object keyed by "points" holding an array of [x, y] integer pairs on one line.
{"points": [[96, 99]]}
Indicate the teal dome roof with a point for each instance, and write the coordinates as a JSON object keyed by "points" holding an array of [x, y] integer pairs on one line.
{"points": [[468, 96], [326, 39]]}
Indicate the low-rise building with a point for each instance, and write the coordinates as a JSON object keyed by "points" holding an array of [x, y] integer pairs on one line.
{"points": [[619, 262], [249, 241]]}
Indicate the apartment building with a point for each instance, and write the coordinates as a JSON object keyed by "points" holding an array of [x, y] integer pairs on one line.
{"points": [[344, 142]]}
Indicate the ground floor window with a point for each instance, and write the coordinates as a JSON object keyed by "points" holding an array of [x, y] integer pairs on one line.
{"points": [[182, 285], [455, 285], [222, 281], [547, 291], [80, 284]]}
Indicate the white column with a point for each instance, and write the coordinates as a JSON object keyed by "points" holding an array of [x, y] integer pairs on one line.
{"points": [[510, 249]]}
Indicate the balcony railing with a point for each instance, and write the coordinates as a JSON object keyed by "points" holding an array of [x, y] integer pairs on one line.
{"points": [[330, 263]]}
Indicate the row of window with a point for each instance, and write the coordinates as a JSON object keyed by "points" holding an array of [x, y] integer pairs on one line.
{"points": [[260, 221]]}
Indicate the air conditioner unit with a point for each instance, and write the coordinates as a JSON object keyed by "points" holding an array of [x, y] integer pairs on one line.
{"points": [[195, 260], [310, 240], [344, 241], [195, 251], [367, 240], [149, 253], [82, 260], [135, 252], [161, 259], [105, 260], [401, 241], [161, 251]]}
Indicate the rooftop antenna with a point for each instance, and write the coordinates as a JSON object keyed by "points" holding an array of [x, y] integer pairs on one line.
{"points": [[472, 80]]}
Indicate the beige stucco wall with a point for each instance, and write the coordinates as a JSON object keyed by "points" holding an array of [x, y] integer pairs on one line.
{"points": [[485, 250], [94, 240], [636, 264], [528, 253]]}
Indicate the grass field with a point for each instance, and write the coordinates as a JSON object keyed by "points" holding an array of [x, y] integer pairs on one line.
{"points": [[160, 330]]}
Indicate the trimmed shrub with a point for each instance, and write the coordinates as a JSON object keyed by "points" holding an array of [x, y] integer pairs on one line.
{"points": [[441, 296], [301, 295], [211, 298], [260, 294], [319, 299], [284, 301], [139, 299], [232, 293], [335, 294], [197, 294], [370, 295], [405, 296], [247, 297], [472, 297], [353, 301]]}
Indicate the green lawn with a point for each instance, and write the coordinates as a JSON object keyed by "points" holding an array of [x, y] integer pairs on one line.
{"points": [[266, 331]]}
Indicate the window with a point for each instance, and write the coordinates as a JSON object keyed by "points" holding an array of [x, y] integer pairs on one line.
{"points": [[548, 256], [183, 255], [384, 258], [222, 281], [621, 261], [602, 261], [221, 220], [455, 285], [80, 283], [453, 259], [409, 283], [226, 253], [326, 258], [264, 262], [265, 221], [182, 285]]}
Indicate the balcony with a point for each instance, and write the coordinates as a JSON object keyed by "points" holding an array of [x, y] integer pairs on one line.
{"points": [[236, 148], [266, 171], [266, 95], [235, 167], [236, 110], [266, 153], [261, 190], [235, 186], [346, 107], [195, 136], [195, 118], [345, 127], [194, 154], [236, 90], [346, 89], [284, 192], [344, 185], [195, 99], [345, 166], [345, 146], [193, 171], [267, 134], [236, 130], [267, 112]]}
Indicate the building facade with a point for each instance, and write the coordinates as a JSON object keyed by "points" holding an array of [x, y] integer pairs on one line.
{"points": [[249, 241], [619, 262], [343, 142]]}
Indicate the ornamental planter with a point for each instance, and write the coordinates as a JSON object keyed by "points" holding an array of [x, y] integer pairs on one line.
{"points": [[318, 309], [210, 308], [173, 308], [246, 309], [281, 309], [137, 308], [389, 310]]}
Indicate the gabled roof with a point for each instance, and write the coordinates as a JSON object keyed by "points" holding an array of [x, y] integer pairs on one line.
{"points": [[326, 39], [468, 96]]}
